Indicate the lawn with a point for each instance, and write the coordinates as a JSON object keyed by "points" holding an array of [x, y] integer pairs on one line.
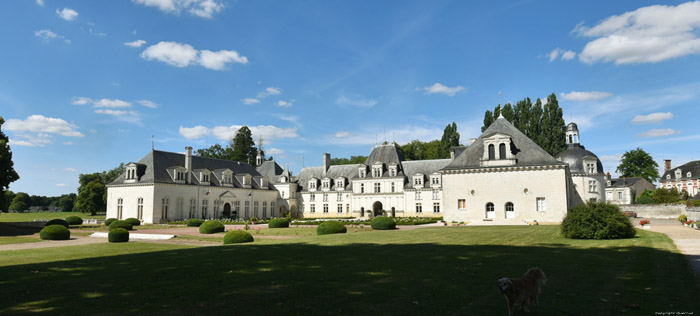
{"points": [[30, 217], [428, 271], [5, 240]]}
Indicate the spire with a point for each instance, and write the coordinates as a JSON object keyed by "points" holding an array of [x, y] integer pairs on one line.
{"points": [[261, 154]]}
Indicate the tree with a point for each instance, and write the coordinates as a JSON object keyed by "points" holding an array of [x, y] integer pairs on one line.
{"points": [[555, 128], [488, 120], [66, 202], [7, 200], [7, 170], [21, 202], [91, 197], [111, 175], [346, 161], [243, 146], [450, 138], [217, 152], [638, 163]]}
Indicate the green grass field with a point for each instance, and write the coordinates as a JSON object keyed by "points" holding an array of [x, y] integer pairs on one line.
{"points": [[428, 271], [29, 217], [6, 240]]}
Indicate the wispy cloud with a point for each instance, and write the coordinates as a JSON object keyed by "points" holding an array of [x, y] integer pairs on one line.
{"points": [[183, 55], [343, 134], [47, 36], [81, 100], [269, 133], [652, 118], [269, 91], [657, 132], [442, 89], [362, 103], [148, 104], [584, 95], [67, 14], [565, 54], [40, 2], [111, 103], [136, 43], [285, 104], [250, 101], [201, 8]]}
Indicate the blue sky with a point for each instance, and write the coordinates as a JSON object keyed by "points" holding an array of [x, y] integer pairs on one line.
{"points": [[84, 84]]}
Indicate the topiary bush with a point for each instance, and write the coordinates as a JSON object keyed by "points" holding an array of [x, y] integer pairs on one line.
{"points": [[278, 223], [55, 232], [74, 220], [109, 221], [596, 220], [237, 237], [118, 235], [57, 221], [120, 224], [253, 219], [133, 221], [193, 222], [211, 227], [331, 227], [682, 219], [383, 223]]}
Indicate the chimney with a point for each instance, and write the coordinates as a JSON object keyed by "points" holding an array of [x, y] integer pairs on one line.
{"points": [[607, 176], [188, 163], [326, 162], [472, 140], [667, 165]]}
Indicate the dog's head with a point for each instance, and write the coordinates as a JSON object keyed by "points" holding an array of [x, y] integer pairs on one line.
{"points": [[505, 285]]}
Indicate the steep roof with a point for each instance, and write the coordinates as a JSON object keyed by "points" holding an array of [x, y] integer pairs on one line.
{"points": [[526, 152], [425, 167], [624, 182], [574, 156], [270, 169], [693, 167], [334, 172], [385, 153]]}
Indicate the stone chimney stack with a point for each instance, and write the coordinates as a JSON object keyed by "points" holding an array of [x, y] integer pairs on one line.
{"points": [[667, 165], [608, 176], [188, 163], [326, 162]]}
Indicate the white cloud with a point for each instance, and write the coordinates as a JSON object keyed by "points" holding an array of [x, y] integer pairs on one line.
{"points": [[107, 103], [61, 185], [284, 103], [289, 118], [611, 158], [148, 104], [250, 101], [442, 89], [274, 151], [584, 95], [657, 132], [568, 55], [652, 118], [136, 43], [126, 116], [553, 54], [67, 14], [183, 55], [47, 35], [343, 134], [37, 130], [200, 8], [269, 91], [80, 100], [71, 169], [196, 132], [40, 2], [646, 35], [565, 54], [363, 103]]}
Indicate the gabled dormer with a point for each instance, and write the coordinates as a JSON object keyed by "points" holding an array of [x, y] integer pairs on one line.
{"points": [[377, 169], [178, 174], [393, 169], [340, 184], [134, 171], [313, 184], [326, 184], [679, 173], [225, 177], [245, 180], [417, 180], [435, 180], [688, 175], [362, 171], [203, 176], [262, 181], [590, 165], [498, 151]]}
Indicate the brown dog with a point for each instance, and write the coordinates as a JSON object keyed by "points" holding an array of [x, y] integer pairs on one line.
{"points": [[523, 291]]}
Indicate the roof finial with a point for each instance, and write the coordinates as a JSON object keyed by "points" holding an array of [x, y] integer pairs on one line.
{"points": [[153, 142]]}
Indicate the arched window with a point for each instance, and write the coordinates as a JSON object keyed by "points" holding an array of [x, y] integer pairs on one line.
{"points": [[502, 151], [510, 207], [489, 207], [492, 152], [571, 139], [490, 212]]}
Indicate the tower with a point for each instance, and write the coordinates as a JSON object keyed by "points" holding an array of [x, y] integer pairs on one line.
{"points": [[572, 137], [260, 158]]}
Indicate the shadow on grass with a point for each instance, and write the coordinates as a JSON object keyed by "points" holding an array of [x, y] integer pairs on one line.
{"points": [[9, 229], [351, 279]]}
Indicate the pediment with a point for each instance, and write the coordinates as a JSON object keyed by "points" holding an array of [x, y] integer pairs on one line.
{"points": [[227, 194]]}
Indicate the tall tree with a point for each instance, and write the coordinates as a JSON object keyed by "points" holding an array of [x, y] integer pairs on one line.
{"points": [[488, 120], [92, 194], [7, 170], [450, 137], [638, 163], [21, 202], [508, 113], [216, 151], [243, 146], [521, 117], [7, 200], [111, 175], [535, 121]]}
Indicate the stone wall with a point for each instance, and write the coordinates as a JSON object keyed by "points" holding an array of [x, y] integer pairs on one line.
{"points": [[693, 213], [656, 210]]}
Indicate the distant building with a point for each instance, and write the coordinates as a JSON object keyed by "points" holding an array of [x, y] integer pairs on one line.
{"points": [[585, 167], [684, 177], [623, 191]]}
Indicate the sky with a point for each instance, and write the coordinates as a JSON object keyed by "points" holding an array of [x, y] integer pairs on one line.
{"points": [[85, 85]]}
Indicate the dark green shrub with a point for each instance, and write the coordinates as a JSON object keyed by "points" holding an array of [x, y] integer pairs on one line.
{"points": [[278, 223], [253, 219], [211, 227], [383, 223], [133, 221], [55, 232], [109, 221], [57, 221], [331, 227], [193, 222], [597, 220], [118, 235], [120, 224], [237, 237], [682, 219], [74, 220]]}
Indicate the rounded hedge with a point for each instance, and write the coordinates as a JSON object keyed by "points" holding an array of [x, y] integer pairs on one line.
{"points": [[383, 223], [211, 227], [121, 224], [331, 227], [237, 237], [118, 235], [596, 220], [193, 222], [55, 232], [109, 221], [57, 221], [133, 221], [74, 220], [278, 223]]}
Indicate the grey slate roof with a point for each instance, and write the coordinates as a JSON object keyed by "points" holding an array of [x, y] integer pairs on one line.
{"points": [[574, 156], [157, 162], [693, 167], [270, 169], [385, 153], [623, 182], [425, 167], [334, 172], [527, 152]]}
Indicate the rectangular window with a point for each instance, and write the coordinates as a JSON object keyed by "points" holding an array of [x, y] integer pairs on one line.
{"points": [[264, 210], [247, 209], [139, 209], [325, 208], [325, 197], [541, 204], [418, 181], [362, 188], [164, 209], [205, 207], [419, 208], [436, 195], [436, 207], [417, 195], [436, 180], [193, 206], [347, 208], [255, 209], [120, 208], [312, 208], [339, 197], [377, 187], [619, 196], [272, 209], [312, 197], [393, 187], [340, 208], [592, 186], [461, 204], [237, 207], [216, 208]]}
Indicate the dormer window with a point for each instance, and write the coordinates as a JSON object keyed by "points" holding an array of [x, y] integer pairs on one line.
{"points": [[688, 175], [312, 184], [678, 173], [668, 177], [326, 184], [392, 171], [492, 152], [497, 151], [418, 180], [435, 180], [376, 172], [362, 172], [340, 184]]}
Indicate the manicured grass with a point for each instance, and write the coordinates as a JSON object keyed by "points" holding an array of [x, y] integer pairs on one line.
{"points": [[428, 271], [6, 240], [103, 228], [29, 217]]}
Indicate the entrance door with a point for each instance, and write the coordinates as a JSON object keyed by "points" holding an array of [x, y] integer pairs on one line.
{"points": [[393, 212], [362, 212], [490, 211], [510, 210], [227, 210], [377, 208]]}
